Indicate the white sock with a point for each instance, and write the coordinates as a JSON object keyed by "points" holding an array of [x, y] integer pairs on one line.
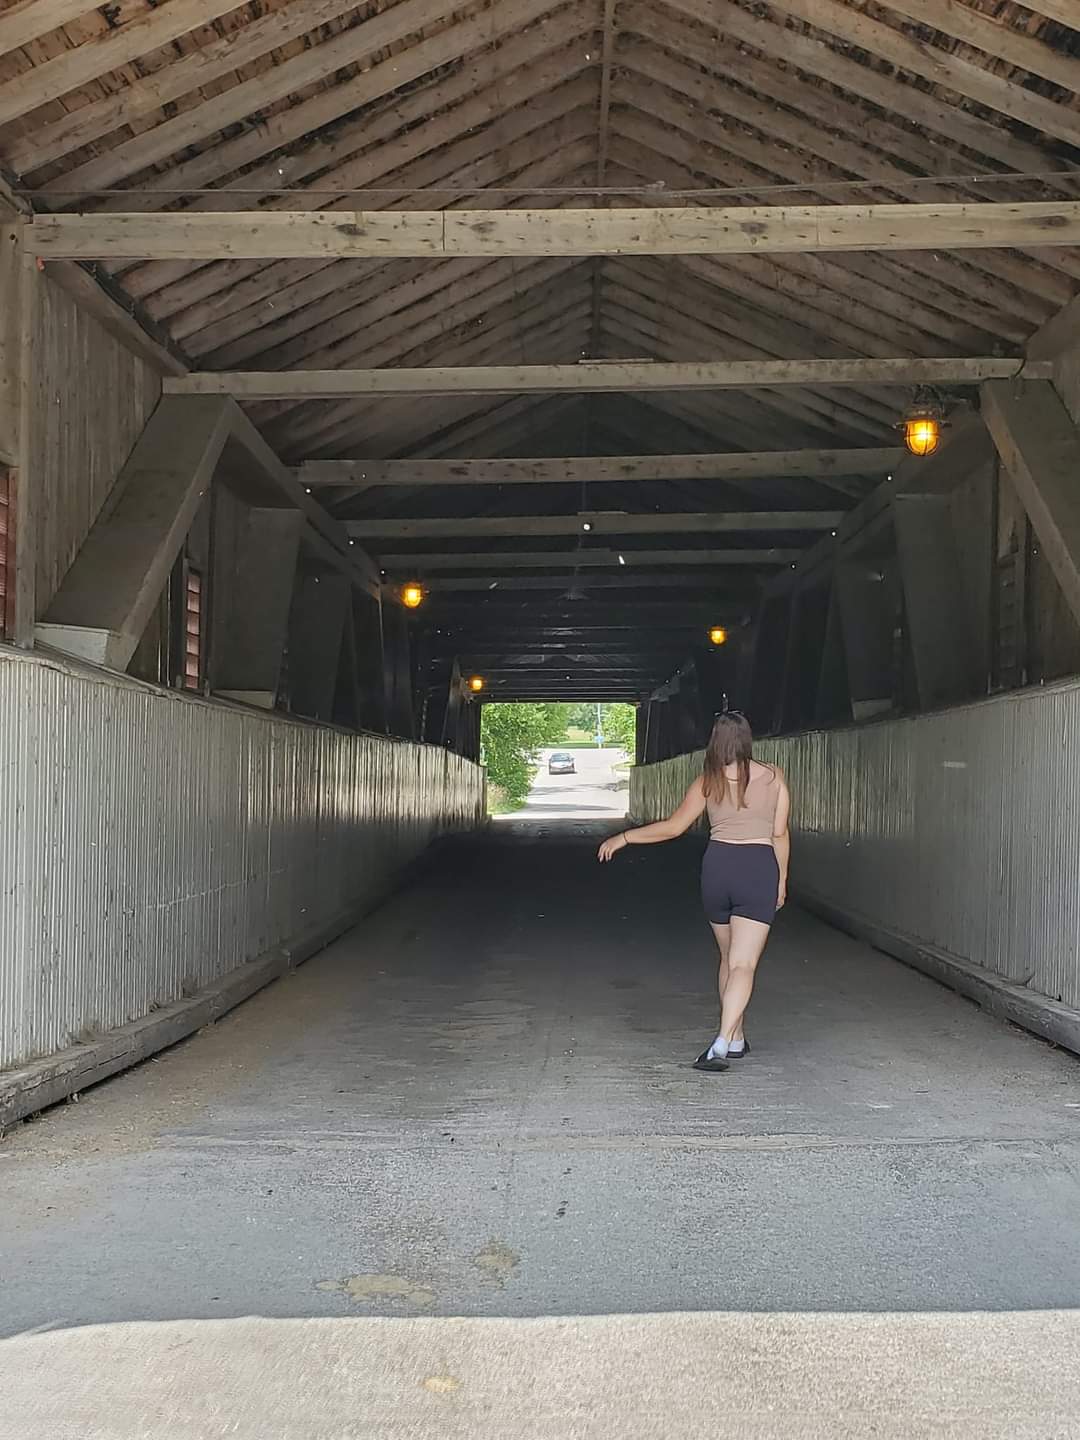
{"points": [[718, 1049], [736, 1047]]}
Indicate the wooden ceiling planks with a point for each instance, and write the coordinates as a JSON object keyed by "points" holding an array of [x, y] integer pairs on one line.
{"points": [[420, 104]]}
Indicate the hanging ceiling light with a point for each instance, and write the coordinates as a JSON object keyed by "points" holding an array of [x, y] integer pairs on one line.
{"points": [[412, 595], [718, 635], [923, 423]]}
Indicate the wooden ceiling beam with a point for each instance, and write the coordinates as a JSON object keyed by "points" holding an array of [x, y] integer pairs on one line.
{"points": [[588, 469], [691, 230], [706, 136], [763, 70], [996, 38], [393, 425], [730, 25], [600, 523], [505, 424], [143, 97], [312, 66], [205, 303], [494, 561], [882, 280], [681, 336], [599, 377], [98, 56], [569, 580], [824, 418], [487, 298], [936, 65], [28, 20], [530, 326], [664, 422], [404, 146], [1063, 11]]}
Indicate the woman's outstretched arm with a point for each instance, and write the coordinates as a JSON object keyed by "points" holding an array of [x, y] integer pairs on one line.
{"points": [[693, 804], [782, 839]]}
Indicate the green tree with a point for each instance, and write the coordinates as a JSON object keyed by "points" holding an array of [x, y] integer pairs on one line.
{"points": [[620, 726], [617, 722], [512, 737]]}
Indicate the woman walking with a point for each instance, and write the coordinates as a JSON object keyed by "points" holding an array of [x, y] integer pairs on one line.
{"points": [[744, 870]]}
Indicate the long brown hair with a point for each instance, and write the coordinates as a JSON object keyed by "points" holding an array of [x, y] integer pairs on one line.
{"points": [[731, 743]]}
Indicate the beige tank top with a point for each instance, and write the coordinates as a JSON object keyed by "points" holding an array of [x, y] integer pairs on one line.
{"points": [[755, 822]]}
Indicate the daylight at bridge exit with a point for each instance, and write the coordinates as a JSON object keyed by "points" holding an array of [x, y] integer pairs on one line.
{"points": [[539, 719]]}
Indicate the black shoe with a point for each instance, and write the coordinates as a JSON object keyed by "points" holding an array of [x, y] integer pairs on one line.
{"points": [[738, 1054], [704, 1063]]}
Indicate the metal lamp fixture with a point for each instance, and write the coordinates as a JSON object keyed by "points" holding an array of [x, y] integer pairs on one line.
{"points": [[718, 635], [476, 684], [412, 595], [923, 423]]}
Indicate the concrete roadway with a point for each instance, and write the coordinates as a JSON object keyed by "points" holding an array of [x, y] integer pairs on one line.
{"points": [[479, 1104], [595, 791]]}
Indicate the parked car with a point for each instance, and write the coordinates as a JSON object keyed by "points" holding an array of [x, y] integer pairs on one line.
{"points": [[560, 763]]}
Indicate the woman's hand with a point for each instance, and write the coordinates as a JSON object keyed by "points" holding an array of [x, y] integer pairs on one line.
{"points": [[611, 847], [781, 898]]}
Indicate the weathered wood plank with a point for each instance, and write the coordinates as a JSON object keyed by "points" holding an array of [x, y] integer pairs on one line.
{"points": [[1040, 447], [106, 598], [692, 230], [493, 561], [28, 20], [143, 97], [716, 584], [805, 52], [597, 522], [257, 94], [598, 377], [952, 72], [762, 464], [110, 50]]}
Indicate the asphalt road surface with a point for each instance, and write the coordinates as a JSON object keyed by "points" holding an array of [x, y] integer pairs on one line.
{"points": [[461, 1164], [596, 790]]}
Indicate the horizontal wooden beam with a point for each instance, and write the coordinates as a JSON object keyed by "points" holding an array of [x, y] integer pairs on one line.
{"points": [[590, 469], [599, 377], [689, 230], [623, 580], [494, 561], [596, 523]]}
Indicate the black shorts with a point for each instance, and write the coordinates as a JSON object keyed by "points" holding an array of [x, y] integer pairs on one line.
{"points": [[739, 880]]}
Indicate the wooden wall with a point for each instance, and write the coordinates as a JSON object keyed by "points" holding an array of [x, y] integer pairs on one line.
{"points": [[9, 345], [88, 401]]}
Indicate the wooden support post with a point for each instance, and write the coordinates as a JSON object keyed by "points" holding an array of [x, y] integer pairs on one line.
{"points": [[106, 599], [347, 697], [641, 730], [866, 617], [770, 661], [316, 627], [939, 626], [806, 641], [11, 276], [833, 702], [397, 670], [1040, 447], [254, 563], [367, 630], [28, 437]]}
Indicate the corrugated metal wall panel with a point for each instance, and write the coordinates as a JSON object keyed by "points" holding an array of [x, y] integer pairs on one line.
{"points": [[152, 842], [950, 830]]}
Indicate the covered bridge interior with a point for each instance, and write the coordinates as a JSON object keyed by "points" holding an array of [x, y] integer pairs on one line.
{"points": [[595, 325]]}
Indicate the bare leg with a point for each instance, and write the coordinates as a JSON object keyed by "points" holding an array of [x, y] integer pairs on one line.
{"points": [[723, 942], [748, 940]]}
